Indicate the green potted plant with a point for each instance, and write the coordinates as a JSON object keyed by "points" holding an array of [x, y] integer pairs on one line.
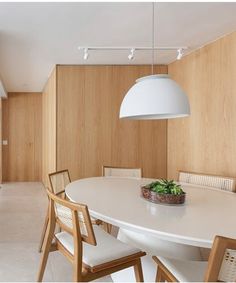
{"points": [[164, 191]]}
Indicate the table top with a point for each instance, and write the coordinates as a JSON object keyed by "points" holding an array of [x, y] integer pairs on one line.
{"points": [[206, 212]]}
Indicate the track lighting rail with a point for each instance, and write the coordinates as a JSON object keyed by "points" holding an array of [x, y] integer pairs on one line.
{"points": [[136, 48], [179, 49]]}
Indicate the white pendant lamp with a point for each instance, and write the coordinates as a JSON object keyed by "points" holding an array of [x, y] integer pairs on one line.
{"points": [[155, 97]]}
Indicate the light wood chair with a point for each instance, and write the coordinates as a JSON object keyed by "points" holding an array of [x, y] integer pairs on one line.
{"points": [[58, 181], [211, 181], [221, 265], [126, 172], [121, 172], [92, 252]]}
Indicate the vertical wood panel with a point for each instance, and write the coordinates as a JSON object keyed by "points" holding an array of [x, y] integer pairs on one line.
{"points": [[22, 127], [1, 170], [206, 141], [89, 131], [49, 127]]}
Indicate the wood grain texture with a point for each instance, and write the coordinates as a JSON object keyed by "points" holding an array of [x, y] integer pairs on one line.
{"points": [[206, 141], [22, 127], [1, 140], [89, 131], [49, 128]]}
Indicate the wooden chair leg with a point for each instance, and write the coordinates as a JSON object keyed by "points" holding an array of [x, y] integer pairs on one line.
{"points": [[46, 250], [138, 271], [164, 275], [77, 272], [45, 226], [158, 276], [107, 227]]}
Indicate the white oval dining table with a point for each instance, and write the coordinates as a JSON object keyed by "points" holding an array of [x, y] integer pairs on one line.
{"points": [[207, 212]]}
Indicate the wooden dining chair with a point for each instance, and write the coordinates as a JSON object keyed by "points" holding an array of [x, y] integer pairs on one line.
{"points": [[221, 265], [92, 252], [210, 181], [58, 181], [126, 172], [120, 172]]}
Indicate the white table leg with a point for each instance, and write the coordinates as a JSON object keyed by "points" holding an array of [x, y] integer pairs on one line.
{"points": [[152, 246]]}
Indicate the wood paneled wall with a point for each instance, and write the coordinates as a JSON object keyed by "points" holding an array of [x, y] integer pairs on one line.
{"points": [[1, 140], [49, 127], [206, 141], [89, 132], [22, 128]]}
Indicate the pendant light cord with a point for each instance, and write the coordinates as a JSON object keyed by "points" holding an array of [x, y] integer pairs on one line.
{"points": [[153, 36]]}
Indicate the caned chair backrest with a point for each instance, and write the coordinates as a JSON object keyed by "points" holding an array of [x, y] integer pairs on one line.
{"points": [[109, 171], [218, 182], [72, 217], [222, 261], [59, 180]]}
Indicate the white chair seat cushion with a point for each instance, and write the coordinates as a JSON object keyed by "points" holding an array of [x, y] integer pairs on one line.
{"points": [[107, 249], [185, 271]]}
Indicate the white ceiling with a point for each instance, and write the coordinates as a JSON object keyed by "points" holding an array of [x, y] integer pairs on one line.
{"points": [[36, 36]]}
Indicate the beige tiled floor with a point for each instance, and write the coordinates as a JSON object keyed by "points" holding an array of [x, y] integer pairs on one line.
{"points": [[22, 212]]}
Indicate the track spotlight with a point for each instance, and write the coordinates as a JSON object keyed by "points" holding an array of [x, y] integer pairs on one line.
{"points": [[131, 55], [86, 54], [180, 53]]}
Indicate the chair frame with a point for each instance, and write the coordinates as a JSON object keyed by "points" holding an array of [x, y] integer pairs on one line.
{"points": [[55, 173], [211, 175], [45, 225], [214, 263], [81, 272], [163, 274], [216, 257], [118, 167]]}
